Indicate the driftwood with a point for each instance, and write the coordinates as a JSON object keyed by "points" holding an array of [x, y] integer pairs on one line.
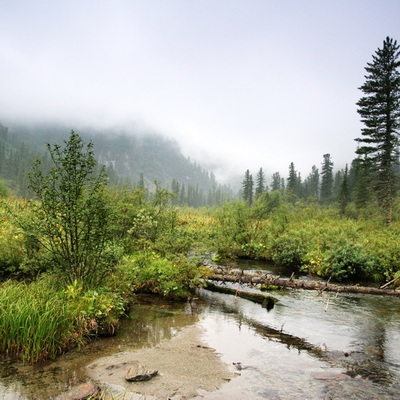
{"points": [[392, 282], [226, 274], [266, 301]]}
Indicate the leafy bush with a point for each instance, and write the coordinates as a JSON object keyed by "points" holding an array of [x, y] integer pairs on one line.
{"points": [[12, 249], [99, 310], [172, 278], [383, 244], [289, 249], [19, 252], [4, 192], [154, 226], [238, 233], [346, 261]]}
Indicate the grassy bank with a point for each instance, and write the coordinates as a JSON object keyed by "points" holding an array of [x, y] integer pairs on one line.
{"points": [[38, 322]]}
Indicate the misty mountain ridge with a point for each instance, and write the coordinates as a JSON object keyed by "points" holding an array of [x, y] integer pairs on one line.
{"points": [[130, 156]]}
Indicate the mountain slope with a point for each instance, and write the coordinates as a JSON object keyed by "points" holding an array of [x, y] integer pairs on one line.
{"points": [[130, 157]]}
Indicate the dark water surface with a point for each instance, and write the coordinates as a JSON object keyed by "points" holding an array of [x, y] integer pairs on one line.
{"points": [[309, 346]]}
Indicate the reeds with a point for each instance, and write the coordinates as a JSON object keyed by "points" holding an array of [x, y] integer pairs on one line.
{"points": [[35, 322]]}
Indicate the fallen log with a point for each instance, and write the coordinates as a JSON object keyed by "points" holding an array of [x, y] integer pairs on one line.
{"points": [[227, 274], [266, 301]]}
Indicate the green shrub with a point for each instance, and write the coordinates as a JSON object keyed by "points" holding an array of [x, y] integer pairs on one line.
{"points": [[239, 233], [12, 249], [20, 252], [347, 261], [99, 310], [4, 191], [172, 278], [289, 249], [383, 244]]}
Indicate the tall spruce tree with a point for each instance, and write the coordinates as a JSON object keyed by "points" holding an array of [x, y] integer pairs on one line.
{"points": [[276, 181], [361, 185], [260, 183], [311, 184], [344, 193], [292, 179], [379, 109], [293, 186], [326, 179], [247, 186]]}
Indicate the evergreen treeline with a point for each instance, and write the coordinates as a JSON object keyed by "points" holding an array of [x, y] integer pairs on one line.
{"points": [[374, 176], [323, 185]]}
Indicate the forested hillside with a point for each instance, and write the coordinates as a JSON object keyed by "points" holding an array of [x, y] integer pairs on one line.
{"points": [[131, 158]]}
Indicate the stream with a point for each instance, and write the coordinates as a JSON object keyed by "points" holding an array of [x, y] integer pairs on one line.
{"points": [[309, 346]]}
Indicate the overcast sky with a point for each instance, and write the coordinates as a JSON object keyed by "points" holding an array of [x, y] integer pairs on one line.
{"points": [[242, 84]]}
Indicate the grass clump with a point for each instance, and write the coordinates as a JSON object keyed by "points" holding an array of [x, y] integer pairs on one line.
{"points": [[35, 322], [39, 322]]}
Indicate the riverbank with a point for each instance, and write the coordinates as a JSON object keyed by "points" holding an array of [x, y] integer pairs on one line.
{"points": [[186, 367]]}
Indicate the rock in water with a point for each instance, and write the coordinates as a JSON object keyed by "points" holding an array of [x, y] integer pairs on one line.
{"points": [[139, 373], [84, 391]]}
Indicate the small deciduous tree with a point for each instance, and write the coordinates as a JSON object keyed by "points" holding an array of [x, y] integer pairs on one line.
{"points": [[72, 212]]}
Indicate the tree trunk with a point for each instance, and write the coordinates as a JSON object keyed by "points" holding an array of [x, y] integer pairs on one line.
{"points": [[225, 274], [266, 301]]}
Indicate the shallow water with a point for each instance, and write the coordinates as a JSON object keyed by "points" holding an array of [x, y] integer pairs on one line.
{"points": [[300, 351], [309, 346]]}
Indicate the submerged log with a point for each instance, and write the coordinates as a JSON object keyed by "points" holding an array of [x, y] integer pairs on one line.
{"points": [[266, 301], [226, 274]]}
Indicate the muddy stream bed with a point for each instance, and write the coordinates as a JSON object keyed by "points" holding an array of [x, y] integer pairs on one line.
{"points": [[309, 346]]}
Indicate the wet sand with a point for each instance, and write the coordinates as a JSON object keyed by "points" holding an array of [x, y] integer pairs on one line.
{"points": [[186, 368]]}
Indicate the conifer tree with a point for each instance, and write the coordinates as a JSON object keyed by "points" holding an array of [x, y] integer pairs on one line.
{"points": [[293, 180], [247, 186], [362, 191], [140, 183], [260, 181], [344, 194], [276, 181], [326, 179], [379, 109], [312, 183]]}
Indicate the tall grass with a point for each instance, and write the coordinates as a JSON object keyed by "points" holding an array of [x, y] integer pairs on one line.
{"points": [[35, 322]]}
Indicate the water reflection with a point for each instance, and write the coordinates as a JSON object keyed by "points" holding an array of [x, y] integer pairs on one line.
{"points": [[310, 346], [350, 337]]}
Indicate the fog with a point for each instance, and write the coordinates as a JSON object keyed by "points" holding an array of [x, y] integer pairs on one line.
{"points": [[239, 84]]}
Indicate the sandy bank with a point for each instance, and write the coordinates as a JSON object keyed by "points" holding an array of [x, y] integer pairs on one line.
{"points": [[187, 368]]}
